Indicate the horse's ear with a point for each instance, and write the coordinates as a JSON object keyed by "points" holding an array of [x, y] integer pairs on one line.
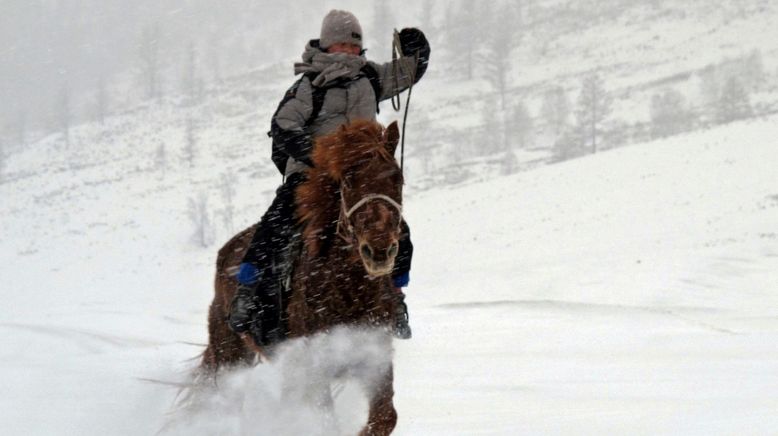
{"points": [[392, 137]]}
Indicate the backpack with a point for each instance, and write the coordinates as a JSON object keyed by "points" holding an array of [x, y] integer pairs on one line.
{"points": [[317, 96]]}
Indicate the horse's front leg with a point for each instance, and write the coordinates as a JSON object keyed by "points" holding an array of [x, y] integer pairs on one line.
{"points": [[382, 417]]}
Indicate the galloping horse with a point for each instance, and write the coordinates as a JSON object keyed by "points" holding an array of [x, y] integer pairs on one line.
{"points": [[350, 211]]}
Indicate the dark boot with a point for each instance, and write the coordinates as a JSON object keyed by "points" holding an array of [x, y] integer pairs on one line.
{"points": [[243, 308], [256, 312], [402, 330]]}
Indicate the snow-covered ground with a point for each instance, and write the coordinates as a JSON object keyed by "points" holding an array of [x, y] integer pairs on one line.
{"points": [[629, 292]]}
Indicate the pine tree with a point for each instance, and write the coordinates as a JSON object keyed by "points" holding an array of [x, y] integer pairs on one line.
{"points": [[754, 77], [492, 140], [594, 106], [734, 102], [501, 44], [568, 145], [669, 114], [64, 113], [190, 81], [150, 61], [462, 39], [20, 126], [555, 110], [160, 158], [521, 126], [709, 90]]}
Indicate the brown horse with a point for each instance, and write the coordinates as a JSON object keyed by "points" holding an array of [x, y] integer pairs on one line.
{"points": [[350, 212]]}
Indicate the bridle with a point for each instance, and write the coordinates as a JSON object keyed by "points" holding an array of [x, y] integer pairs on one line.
{"points": [[346, 212]]}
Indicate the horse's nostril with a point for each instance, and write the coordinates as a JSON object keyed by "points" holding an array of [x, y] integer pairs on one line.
{"points": [[392, 251], [367, 252]]}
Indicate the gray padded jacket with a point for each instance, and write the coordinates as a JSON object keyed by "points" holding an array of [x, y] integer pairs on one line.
{"points": [[349, 96]]}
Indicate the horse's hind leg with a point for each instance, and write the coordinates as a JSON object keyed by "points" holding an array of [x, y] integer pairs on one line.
{"points": [[382, 417]]}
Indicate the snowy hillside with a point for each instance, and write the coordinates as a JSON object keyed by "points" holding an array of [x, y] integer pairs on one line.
{"points": [[632, 291], [628, 292]]}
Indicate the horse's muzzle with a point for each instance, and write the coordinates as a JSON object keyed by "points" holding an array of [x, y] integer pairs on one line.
{"points": [[378, 262]]}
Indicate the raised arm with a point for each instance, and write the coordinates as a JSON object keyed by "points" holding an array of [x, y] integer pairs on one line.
{"points": [[395, 77]]}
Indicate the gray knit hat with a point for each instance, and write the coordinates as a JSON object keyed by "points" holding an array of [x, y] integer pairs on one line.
{"points": [[340, 26]]}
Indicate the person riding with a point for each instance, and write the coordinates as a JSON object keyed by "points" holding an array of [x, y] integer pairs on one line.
{"points": [[338, 85]]}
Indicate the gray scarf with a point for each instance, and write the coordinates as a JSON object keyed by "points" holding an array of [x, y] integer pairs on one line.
{"points": [[330, 66]]}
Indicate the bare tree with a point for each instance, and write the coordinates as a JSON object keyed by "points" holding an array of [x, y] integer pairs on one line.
{"points": [[150, 61], [594, 106], [64, 113], [669, 114], [190, 144], [555, 110], [201, 220], [227, 188], [733, 103]]}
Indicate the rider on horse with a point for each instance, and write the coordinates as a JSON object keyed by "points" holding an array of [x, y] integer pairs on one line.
{"points": [[338, 85]]}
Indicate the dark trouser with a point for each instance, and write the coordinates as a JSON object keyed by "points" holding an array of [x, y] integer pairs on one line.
{"points": [[276, 227]]}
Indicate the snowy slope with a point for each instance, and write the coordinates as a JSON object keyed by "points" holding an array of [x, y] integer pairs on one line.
{"points": [[632, 291]]}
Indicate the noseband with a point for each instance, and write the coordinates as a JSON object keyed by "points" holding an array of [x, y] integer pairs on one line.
{"points": [[346, 212]]}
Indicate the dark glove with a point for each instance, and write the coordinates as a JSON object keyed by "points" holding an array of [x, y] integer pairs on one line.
{"points": [[413, 42]]}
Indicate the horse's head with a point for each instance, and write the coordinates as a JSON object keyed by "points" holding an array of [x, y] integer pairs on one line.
{"points": [[359, 164], [371, 204]]}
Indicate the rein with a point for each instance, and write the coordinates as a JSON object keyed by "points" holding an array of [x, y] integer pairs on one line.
{"points": [[397, 52]]}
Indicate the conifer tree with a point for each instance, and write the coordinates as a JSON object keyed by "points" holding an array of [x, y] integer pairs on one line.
{"points": [[669, 114], [594, 106], [734, 102]]}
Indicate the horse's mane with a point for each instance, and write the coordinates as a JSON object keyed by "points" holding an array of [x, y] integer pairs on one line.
{"points": [[334, 156]]}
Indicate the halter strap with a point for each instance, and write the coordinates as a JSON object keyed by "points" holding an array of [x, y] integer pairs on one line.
{"points": [[369, 197], [346, 218]]}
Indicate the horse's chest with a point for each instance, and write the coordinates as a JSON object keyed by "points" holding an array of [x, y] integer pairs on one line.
{"points": [[338, 302]]}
